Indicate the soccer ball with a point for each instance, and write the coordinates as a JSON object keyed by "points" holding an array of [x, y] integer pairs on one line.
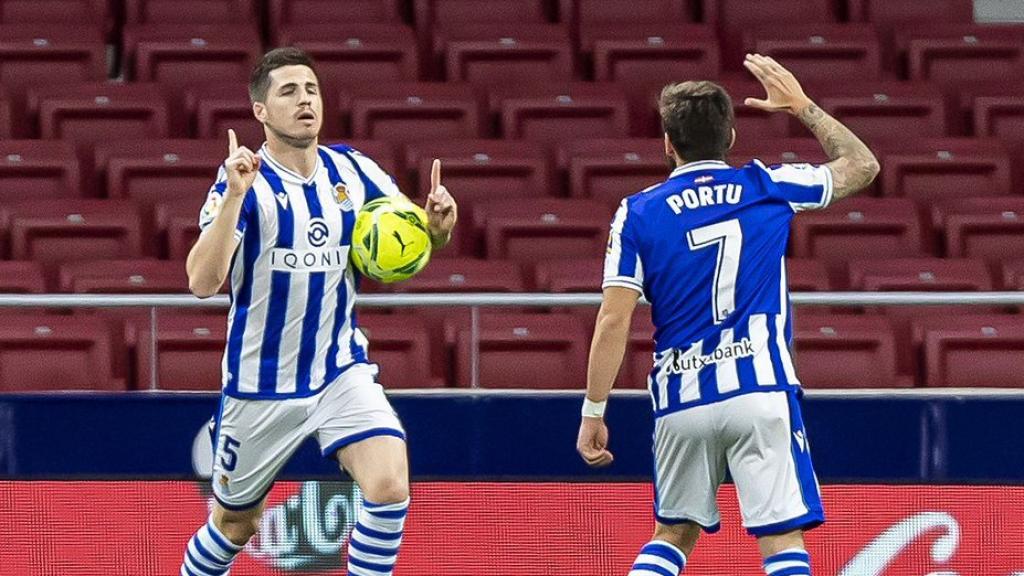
{"points": [[390, 241]]}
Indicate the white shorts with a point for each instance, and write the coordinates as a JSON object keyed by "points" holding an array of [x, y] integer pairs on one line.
{"points": [[760, 438], [255, 438]]}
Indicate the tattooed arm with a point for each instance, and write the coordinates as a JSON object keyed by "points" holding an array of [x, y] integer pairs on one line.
{"points": [[852, 164]]}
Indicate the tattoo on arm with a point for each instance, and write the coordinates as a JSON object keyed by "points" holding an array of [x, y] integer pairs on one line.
{"points": [[852, 163]]}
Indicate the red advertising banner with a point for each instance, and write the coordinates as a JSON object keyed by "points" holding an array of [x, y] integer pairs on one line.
{"points": [[125, 528]]}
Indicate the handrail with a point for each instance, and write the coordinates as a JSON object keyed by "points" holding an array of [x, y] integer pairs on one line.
{"points": [[540, 300]]}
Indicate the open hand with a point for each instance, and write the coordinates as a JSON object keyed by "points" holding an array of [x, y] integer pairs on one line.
{"points": [[784, 92]]}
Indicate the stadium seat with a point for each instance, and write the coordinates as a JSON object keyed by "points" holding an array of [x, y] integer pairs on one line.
{"points": [[33, 55], [562, 113], [414, 111], [189, 351], [734, 17], [37, 169], [974, 352], [213, 109], [356, 53], [864, 346], [777, 151], [40, 352], [1013, 274], [639, 358], [542, 229], [807, 275], [645, 56], [919, 274], [177, 227], [285, 13], [570, 275], [401, 347], [431, 13], [537, 351], [88, 13], [190, 11], [887, 14], [6, 122], [930, 170], [585, 12], [492, 54], [56, 231], [754, 128], [857, 228], [881, 111], [962, 54], [999, 117], [123, 277], [153, 171], [609, 170], [822, 52], [87, 114], [990, 228], [181, 55], [21, 278], [465, 275]]}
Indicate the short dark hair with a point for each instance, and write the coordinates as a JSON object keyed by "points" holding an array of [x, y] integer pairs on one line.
{"points": [[259, 80], [698, 118]]}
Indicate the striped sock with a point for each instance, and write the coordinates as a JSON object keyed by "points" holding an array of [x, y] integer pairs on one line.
{"points": [[209, 553], [658, 558], [373, 546], [792, 562]]}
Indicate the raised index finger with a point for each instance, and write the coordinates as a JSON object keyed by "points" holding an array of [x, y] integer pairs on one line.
{"points": [[435, 175], [232, 141]]}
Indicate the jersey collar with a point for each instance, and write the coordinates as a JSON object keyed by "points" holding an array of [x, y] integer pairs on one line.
{"points": [[699, 165], [285, 172]]}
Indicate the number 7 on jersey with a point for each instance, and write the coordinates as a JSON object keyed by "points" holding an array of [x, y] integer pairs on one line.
{"points": [[727, 236]]}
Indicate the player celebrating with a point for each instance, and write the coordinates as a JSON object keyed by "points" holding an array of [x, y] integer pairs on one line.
{"points": [[706, 247], [279, 221]]}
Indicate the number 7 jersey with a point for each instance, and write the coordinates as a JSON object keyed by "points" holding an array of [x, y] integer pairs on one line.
{"points": [[707, 249]]}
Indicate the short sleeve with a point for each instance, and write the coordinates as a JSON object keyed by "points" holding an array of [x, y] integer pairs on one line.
{"points": [[622, 266], [214, 201], [377, 182], [802, 186]]}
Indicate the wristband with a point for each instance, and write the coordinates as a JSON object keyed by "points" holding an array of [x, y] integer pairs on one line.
{"points": [[593, 409]]}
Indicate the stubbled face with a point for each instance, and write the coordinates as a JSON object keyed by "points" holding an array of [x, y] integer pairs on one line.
{"points": [[293, 108]]}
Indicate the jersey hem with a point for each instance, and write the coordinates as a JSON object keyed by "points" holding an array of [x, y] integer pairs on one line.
{"points": [[293, 395], [795, 388]]}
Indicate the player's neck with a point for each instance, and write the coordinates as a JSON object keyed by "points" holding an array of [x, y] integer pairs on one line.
{"points": [[302, 161]]}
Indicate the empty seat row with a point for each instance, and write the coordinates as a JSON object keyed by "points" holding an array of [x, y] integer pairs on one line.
{"points": [[516, 350]]}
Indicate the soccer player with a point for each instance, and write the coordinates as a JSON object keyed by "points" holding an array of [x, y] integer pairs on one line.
{"points": [[279, 221], [706, 248]]}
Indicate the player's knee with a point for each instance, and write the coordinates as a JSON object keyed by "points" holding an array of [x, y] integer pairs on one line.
{"points": [[771, 545], [238, 527], [683, 536], [389, 489]]}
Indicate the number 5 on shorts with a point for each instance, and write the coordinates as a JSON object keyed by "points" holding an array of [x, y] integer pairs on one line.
{"points": [[229, 459]]}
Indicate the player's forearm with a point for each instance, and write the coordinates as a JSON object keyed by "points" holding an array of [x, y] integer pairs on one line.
{"points": [[852, 163], [210, 258], [606, 351]]}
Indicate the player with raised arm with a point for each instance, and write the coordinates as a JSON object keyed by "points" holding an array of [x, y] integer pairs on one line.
{"points": [[279, 221], [706, 248]]}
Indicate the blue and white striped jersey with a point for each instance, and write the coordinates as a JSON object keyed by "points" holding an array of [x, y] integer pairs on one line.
{"points": [[292, 328], [707, 247]]}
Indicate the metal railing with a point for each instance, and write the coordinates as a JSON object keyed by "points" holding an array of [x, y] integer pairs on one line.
{"points": [[476, 301]]}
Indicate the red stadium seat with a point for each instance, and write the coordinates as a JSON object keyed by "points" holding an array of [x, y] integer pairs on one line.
{"points": [[857, 228], [154, 171], [1000, 117], [807, 275], [864, 346], [46, 352], [523, 351], [991, 228], [504, 53], [1013, 274], [180, 55], [542, 229], [777, 151], [90, 113], [466, 275], [639, 358], [584, 12], [33, 55], [975, 352], [570, 275], [414, 111], [213, 109], [562, 113], [189, 351], [21, 278], [284, 13], [429, 13], [887, 14], [822, 52], [177, 227], [190, 11], [65, 12], [610, 170], [35, 169], [886, 110], [401, 346], [124, 277], [754, 128], [963, 54], [356, 53], [57, 231], [645, 56], [734, 17], [6, 123], [920, 274], [929, 170]]}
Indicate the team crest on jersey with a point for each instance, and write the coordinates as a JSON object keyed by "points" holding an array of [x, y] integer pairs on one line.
{"points": [[703, 179], [341, 196]]}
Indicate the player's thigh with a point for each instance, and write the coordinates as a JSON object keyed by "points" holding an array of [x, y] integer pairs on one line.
{"points": [[253, 440], [769, 460], [379, 466], [689, 467]]}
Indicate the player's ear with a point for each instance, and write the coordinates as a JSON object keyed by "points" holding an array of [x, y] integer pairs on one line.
{"points": [[259, 110], [732, 142], [669, 150]]}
